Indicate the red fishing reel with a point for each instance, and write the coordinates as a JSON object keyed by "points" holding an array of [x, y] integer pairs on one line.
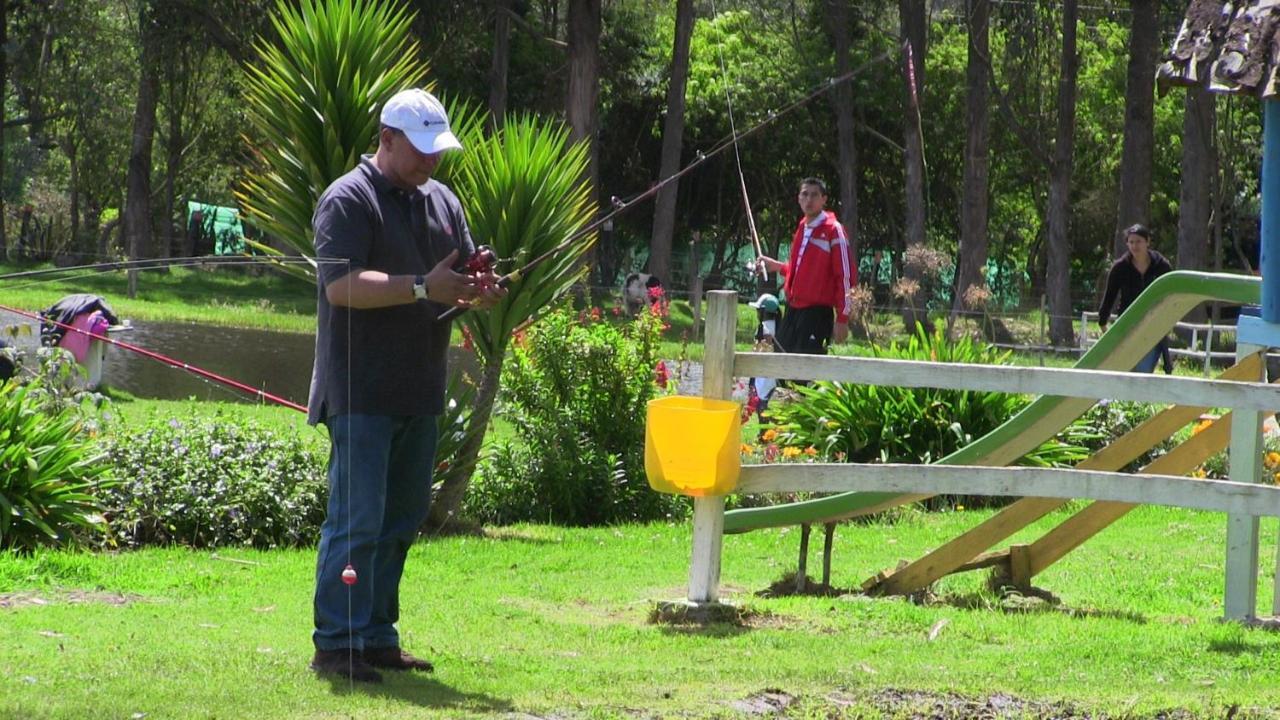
{"points": [[481, 262]]}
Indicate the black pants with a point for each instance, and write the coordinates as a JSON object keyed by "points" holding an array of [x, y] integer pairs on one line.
{"points": [[807, 330]]}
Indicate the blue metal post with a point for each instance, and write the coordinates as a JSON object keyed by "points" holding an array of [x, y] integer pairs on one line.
{"points": [[1270, 260]]}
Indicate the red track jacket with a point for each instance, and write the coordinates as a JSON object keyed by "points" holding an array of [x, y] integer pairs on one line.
{"points": [[819, 271]]}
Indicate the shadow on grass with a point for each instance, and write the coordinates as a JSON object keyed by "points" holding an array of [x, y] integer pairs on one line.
{"points": [[423, 691]]}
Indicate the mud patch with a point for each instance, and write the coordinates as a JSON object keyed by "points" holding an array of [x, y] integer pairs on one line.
{"points": [[73, 597]]}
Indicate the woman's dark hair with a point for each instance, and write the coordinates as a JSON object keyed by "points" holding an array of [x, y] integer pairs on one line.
{"points": [[1138, 229]]}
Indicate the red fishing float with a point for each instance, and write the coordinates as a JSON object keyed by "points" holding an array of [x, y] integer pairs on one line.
{"points": [[349, 575]]}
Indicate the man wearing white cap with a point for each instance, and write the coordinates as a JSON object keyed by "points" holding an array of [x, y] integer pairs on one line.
{"points": [[390, 242]]}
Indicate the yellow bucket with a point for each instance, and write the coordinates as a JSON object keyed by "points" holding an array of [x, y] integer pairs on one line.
{"points": [[692, 445]]}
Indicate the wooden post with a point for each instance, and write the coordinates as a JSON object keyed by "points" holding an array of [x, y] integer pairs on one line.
{"points": [[1241, 595], [717, 382], [802, 567], [695, 285], [1020, 566], [1043, 340]]}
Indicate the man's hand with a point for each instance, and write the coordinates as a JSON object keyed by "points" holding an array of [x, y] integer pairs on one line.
{"points": [[491, 293], [449, 287], [840, 332], [770, 263]]}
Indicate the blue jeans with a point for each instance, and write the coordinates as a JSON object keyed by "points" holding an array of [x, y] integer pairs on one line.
{"points": [[379, 493], [1148, 362]]}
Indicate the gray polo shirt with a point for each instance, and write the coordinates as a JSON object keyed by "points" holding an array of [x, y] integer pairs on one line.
{"points": [[393, 360]]}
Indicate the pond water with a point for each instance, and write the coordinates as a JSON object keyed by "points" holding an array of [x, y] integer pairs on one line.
{"points": [[277, 362]]}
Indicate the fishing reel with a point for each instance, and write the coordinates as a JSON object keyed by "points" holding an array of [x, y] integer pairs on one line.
{"points": [[483, 261]]}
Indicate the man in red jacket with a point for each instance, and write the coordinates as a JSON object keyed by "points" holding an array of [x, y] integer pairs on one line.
{"points": [[818, 275]]}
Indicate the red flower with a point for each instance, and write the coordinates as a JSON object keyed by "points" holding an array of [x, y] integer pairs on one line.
{"points": [[661, 376], [467, 343]]}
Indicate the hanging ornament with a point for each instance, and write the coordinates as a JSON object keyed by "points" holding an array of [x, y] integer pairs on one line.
{"points": [[349, 575]]}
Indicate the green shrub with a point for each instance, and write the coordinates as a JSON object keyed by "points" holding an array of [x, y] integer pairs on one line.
{"points": [[213, 481], [870, 423], [576, 390], [51, 465]]}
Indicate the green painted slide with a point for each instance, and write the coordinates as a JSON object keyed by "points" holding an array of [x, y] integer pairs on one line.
{"points": [[1130, 337]]}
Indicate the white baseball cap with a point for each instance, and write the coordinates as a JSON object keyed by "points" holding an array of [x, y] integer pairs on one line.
{"points": [[421, 117]]}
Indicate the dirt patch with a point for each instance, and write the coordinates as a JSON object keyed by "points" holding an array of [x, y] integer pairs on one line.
{"points": [[18, 600], [790, 586], [945, 706], [683, 616], [766, 702]]}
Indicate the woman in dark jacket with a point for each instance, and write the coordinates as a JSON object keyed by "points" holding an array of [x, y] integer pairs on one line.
{"points": [[1129, 276]]}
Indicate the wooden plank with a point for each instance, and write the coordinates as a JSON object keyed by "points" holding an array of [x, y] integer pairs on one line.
{"points": [[1167, 490], [952, 556], [985, 560], [1019, 565], [1074, 531], [717, 383], [1059, 382]]}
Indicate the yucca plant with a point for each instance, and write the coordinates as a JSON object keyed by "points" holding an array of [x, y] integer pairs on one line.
{"points": [[314, 99], [50, 467], [523, 196]]}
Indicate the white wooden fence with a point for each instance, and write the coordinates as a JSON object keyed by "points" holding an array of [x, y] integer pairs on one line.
{"points": [[1243, 498]]}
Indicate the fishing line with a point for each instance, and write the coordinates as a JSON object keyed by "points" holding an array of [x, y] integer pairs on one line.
{"points": [[733, 130], [620, 206]]}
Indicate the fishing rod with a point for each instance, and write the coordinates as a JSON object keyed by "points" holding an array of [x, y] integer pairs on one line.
{"points": [[158, 263], [193, 369], [620, 206]]}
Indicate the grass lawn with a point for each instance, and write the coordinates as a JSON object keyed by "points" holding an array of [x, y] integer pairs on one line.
{"points": [[235, 296], [553, 622]]}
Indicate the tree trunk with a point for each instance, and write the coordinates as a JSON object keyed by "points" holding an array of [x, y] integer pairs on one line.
{"points": [[453, 486], [173, 165], [664, 208], [1198, 194], [1058, 267], [581, 110], [137, 206], [972, 252], [73, 183], [842, 102], [4, 79], [501, 62], [914, 29], [1139, 121]]}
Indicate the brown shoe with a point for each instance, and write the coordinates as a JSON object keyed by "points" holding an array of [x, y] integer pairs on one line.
{"points": [[346, 664], [393, 658]]}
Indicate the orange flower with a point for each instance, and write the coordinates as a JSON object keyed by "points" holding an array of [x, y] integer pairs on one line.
{"points": [[790, 452], [769, 435], [811, 451]]}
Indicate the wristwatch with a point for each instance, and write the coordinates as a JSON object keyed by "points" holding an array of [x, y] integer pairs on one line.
{"points": [[419, 287]]}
